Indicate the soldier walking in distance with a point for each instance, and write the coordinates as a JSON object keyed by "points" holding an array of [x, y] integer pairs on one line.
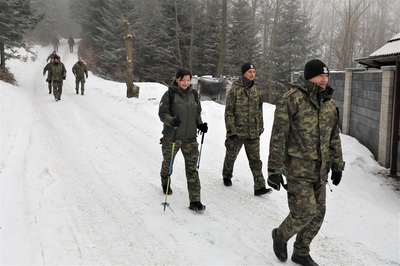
{"points": [[58, 73], [47, 69], [56, 43], [80, 71], [71, 43], [305, 146], [51, 56]]}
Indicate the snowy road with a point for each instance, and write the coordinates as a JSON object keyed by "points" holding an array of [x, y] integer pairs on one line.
{"points": [[80, 186]]}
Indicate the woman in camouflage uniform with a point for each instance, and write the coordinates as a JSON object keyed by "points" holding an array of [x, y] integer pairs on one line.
{"points": [[180, 111]]}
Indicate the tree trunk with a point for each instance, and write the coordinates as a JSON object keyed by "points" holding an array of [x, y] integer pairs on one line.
{"points": [[177, 36], [271, 53], [132, 90], [2, 55], [222, 42]]}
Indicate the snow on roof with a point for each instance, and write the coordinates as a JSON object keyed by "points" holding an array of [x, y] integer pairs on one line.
{"points": [[392, 47]]}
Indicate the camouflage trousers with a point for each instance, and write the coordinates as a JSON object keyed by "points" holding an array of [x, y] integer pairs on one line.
{"points": [[57, 89], [82, 82], [190, 153], [306, 193], [252, 148], [50, 86]]}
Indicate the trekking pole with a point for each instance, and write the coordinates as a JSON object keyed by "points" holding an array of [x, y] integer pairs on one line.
{"points": [[201, 147], [165, 203]]}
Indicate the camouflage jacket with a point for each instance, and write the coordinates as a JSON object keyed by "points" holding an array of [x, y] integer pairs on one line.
{"points": [[243, 110], [57, 71], [185, 106], [306, 127], [47, 68], [80, 70]]}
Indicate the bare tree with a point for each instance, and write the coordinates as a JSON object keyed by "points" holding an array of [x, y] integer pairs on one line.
{"points": [[351, 15]]}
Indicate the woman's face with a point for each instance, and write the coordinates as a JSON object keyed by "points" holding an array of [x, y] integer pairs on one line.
{"points": [[184, 83]]}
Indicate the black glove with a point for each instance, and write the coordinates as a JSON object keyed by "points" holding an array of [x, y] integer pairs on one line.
{"points": [[275, 181], [64, 77], [233, 137], [176, 122], [336, 177], [203, 127]]}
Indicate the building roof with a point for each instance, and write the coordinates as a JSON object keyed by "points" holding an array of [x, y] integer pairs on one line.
{"points": [[387, 55]]}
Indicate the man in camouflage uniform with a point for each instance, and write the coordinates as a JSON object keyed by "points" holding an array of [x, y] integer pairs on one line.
{"points": [[244, 125], [51, 56], [57, 73], [180, 111], [47, 69], [305, 146], [56, 43], [71, 43], [80, 71]]}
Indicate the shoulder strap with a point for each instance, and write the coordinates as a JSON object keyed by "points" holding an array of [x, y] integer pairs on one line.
{"points": [[171, 95], [196, 95]]}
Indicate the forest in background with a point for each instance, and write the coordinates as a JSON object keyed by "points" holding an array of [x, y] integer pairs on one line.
{"points": [[215, 37]]}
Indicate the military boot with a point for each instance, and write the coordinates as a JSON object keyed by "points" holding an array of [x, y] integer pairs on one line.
{"points": [[304, 260], [280, 247]]}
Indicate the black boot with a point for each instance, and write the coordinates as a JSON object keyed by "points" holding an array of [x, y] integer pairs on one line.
{"points": [[280, 247], [227, 182], [304, 260], [197, 206], [164, 189], [262, 191]]}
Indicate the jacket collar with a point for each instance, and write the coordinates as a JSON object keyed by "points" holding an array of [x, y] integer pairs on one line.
{"points": [[313, 90]]}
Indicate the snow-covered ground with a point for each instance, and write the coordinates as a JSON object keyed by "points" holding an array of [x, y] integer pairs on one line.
{"points": [[80, 185]]}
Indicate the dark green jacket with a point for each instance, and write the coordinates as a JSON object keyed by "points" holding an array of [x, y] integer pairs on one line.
{"points": [[185, 106], [306, 126], [47, 68], [243, 110], [57, 71], [80, 70]]}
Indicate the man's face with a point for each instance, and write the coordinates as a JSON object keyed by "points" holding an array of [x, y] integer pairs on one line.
{"points": [[250, 74], [320, 80]]}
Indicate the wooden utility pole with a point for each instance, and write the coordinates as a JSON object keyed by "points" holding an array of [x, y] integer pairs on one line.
{"points": [[132, 89]]}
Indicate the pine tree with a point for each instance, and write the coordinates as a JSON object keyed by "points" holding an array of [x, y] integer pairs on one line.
{"points": [[294, 45], [16, 19], [242, 41]]}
